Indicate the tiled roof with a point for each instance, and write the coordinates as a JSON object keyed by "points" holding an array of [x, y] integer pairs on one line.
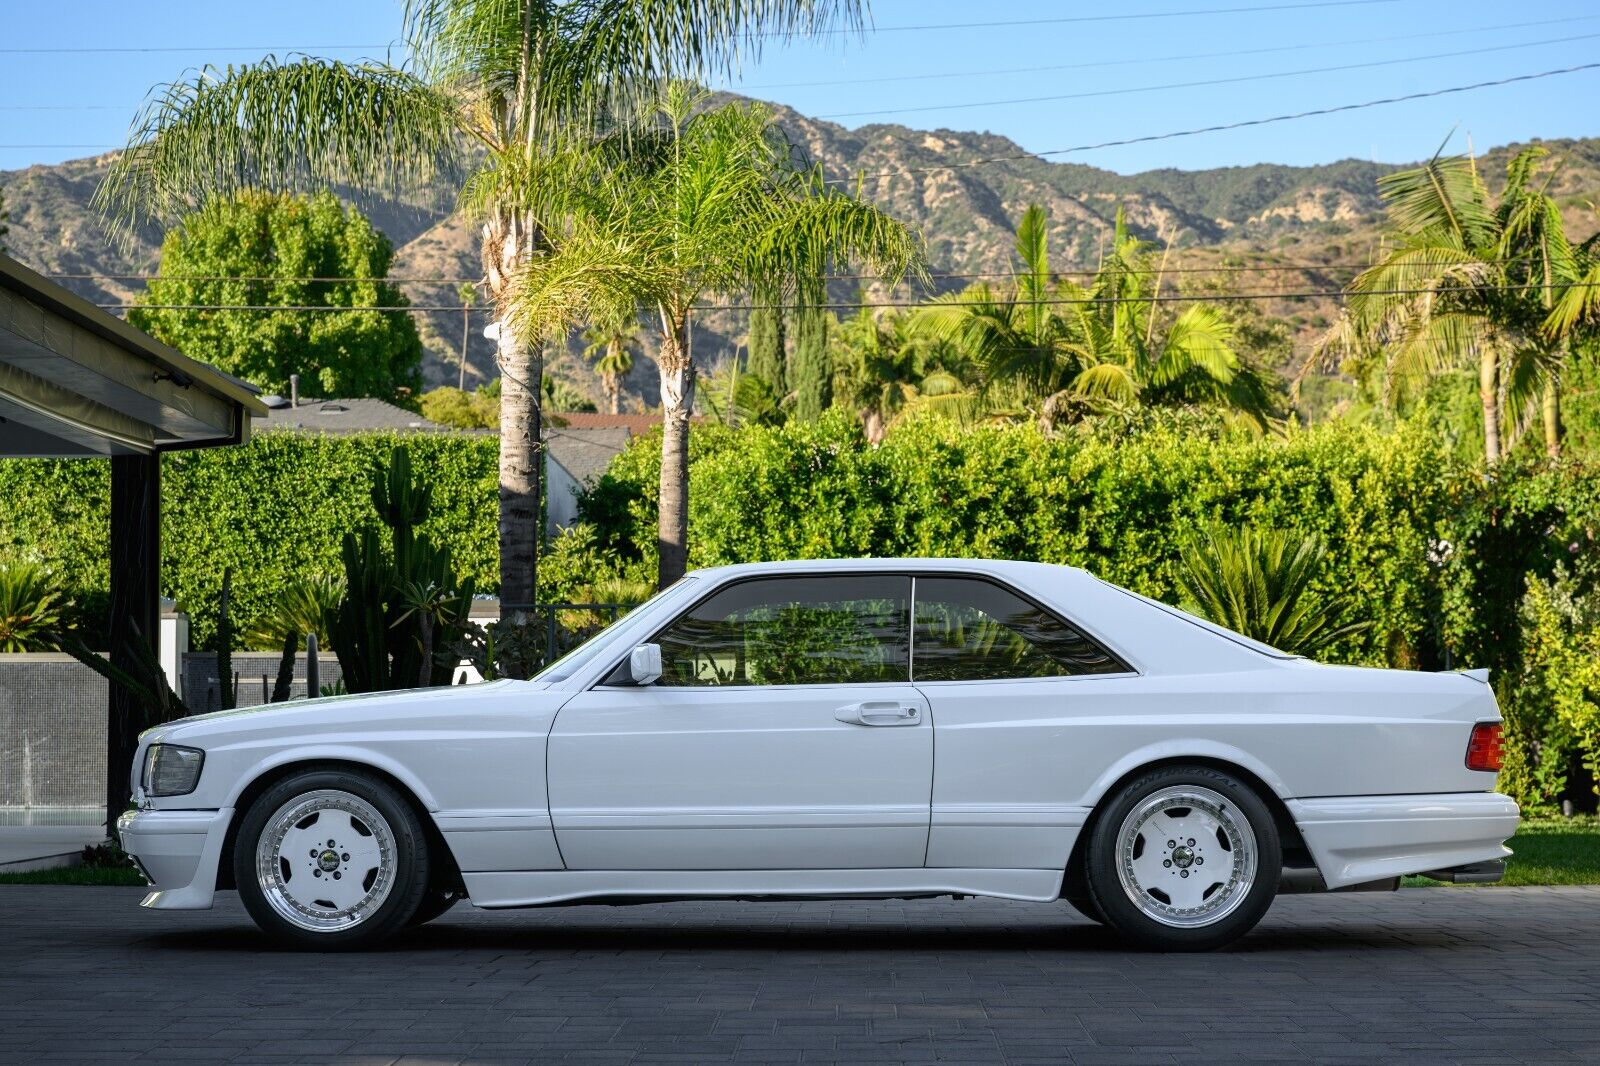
{"points": [[634, 424]]}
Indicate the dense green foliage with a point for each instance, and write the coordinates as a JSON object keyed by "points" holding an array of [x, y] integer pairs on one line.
{"points": [[768, 355], [258, 249], [273, 510], [811, 366]]}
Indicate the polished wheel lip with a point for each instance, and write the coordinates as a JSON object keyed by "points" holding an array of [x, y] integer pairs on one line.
{"points": [[286, 901], [1208, 810]]}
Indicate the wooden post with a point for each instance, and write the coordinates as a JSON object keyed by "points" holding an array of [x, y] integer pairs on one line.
{"points": [[135, 605]]}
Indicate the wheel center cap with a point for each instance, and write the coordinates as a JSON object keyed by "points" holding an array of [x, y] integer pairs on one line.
{"points": [[328, 860], [1183, 856]]}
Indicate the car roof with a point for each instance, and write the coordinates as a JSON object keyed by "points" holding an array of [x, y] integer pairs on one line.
{"points": [[1014, 567]]}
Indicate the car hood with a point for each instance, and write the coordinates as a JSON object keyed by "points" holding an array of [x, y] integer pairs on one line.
{"points": [[444, 701]]}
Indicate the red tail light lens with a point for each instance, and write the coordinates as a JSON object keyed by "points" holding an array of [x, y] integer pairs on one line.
{"points": [[1485, 747]]}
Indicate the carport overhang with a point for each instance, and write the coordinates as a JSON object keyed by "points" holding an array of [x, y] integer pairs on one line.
{"points": [[77, 382]]}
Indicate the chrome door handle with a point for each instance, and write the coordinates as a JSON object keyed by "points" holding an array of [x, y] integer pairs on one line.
{"points": [[879, 712]]}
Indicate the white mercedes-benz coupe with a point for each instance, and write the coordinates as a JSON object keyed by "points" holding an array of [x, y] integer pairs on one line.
{"points": [[844, 729]]}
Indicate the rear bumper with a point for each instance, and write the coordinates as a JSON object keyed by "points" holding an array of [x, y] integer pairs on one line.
{"points": [[1365, 838], [178, 852]]}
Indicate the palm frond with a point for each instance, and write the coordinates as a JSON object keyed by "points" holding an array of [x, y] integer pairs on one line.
{"points": [[296, 126]]}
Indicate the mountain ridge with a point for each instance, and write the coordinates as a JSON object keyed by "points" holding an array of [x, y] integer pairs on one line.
{"points": [[1304, 222]]}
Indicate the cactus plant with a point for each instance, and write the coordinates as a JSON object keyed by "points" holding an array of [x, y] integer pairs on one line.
{"points": [[403, 600], [225, 643]]}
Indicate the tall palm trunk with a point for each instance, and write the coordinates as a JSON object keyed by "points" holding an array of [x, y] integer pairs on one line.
{"points": [[508, 239], [1550, 404], [612, 384], [675, 362], [1489, 396]]}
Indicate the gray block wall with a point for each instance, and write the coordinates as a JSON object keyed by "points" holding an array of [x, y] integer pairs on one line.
{"points": [[52, 732]]}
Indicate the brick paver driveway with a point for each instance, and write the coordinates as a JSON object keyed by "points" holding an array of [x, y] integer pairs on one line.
{"points": [[1428, 975]]}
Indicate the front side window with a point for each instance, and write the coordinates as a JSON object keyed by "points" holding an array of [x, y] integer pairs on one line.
{"points": [[793, 631], [967, 629]]}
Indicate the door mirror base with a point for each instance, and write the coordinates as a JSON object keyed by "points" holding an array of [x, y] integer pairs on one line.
{"points": [[642, 666]]}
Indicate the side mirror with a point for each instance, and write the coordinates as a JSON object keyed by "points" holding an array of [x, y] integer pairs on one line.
{"points": [[644, 664]]}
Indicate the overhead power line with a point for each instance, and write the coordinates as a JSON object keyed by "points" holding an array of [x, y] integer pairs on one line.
{"points": [[1219, 268], [1242, 124], [48, 50], [858, 304], [1236, 79], [1144, 60], [1130, 16]]}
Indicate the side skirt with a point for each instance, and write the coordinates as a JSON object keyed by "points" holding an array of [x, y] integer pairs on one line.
{"points": [[541, 887]]}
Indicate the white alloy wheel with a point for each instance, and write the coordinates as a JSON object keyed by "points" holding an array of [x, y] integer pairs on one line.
{"points": [[1186, 856], [326, 861]]}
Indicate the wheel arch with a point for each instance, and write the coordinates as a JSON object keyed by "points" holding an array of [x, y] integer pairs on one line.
{"points": [[448, 873], [1295, 852]]}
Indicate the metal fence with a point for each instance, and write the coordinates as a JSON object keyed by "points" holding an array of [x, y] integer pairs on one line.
{"points": [[566, 625]]}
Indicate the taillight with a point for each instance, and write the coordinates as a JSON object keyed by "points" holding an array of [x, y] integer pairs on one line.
{"points": [[1485, 747]]}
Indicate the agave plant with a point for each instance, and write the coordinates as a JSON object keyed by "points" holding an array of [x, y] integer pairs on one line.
{"points": [[1257, 583], [306, 605], [31, 604]]}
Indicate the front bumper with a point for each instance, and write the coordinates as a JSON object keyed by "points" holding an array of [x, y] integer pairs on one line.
{"points": [[179, 852], [1367, 838]]}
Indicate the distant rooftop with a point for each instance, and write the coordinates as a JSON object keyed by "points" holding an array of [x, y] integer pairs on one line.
{"points": [[362, 415], [634, 424]]}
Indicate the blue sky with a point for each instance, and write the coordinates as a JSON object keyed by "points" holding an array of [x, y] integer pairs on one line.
{"points": [[89, 97]]}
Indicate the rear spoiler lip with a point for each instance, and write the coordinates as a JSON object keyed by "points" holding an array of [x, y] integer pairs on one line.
{"points": [[1480, 674]]}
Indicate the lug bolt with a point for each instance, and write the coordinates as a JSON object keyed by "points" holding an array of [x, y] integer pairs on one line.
{"points": [[1181, 873], [1166, 862], [330, 843], [336, 875], [316, 873], [313, 853], [1172, 843], [1191, 842], [346, 856], [1199, 862]]}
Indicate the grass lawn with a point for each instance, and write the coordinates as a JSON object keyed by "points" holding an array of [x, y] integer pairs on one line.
{"points": [[1549, 851], [76, 875]]}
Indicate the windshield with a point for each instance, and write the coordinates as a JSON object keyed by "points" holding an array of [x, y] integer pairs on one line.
{"points": [[1210, 627], [578, 657]]}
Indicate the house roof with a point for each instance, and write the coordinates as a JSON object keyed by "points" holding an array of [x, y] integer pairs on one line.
{"points": [[585, 453], [634, 424], [360, 415], [75, 380]]}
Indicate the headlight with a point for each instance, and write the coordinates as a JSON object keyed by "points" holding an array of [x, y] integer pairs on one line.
{"points": [[171, 771]]}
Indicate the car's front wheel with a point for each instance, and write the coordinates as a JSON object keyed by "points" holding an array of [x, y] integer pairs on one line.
{"points": [[331, 860], [1183, 858]]}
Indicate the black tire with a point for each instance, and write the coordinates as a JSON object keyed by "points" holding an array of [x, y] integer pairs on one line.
{"points": [[410, 875], [435, 903], [1117, 903]]}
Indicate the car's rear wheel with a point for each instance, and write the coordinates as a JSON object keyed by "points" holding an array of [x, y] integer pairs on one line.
{"points": [[1183, 858], [331, 860]]}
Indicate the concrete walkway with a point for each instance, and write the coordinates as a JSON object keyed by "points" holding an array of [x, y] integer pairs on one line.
{"points": [[1442, 975]]}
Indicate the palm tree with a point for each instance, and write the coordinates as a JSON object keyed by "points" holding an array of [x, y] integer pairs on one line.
{"points": [[1055, 345], [607, 345], [721, 206], [496, 88], [880, 365], [1471, 280]]}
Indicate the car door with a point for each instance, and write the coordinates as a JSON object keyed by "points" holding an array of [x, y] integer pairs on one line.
{"points": [[1010, 683], [784, 733]]}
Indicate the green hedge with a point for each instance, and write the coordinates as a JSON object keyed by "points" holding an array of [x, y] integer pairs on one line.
{"points": [[271, 509]]}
